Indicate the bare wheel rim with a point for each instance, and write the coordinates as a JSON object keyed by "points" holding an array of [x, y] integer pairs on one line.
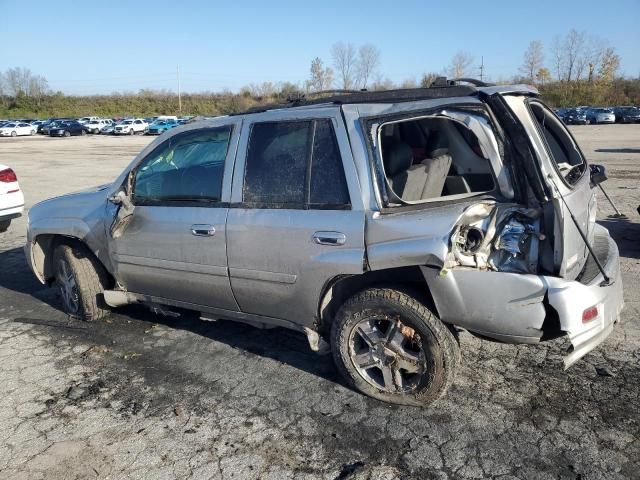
{"points": [[68, 287], [388, 354]]}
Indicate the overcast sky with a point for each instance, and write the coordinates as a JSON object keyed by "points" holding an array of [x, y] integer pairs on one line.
{"points": [[84, 47]]}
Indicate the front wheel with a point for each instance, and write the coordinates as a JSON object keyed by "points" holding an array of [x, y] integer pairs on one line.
{"points": [[13, 134], [131, 132], [81, 281], [390, 346], [67, 133]]}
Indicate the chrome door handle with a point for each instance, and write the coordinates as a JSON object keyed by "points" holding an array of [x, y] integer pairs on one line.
{"points": [[203, 230], [329, 238]]}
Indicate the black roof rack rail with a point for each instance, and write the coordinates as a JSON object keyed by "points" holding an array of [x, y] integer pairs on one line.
{"points": [[440, 88], [474, 81]]}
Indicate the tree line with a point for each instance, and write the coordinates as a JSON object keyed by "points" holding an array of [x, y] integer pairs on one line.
{"points": [[576, 69]]}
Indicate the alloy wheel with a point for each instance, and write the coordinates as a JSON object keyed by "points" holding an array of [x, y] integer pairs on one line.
{"points": [[388, 354], [68, 287]]}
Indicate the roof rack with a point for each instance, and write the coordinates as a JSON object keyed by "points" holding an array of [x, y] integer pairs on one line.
{"points": [[440, 88]]}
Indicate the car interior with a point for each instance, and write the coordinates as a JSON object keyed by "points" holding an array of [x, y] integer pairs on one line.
{"points": [[429, 158]]}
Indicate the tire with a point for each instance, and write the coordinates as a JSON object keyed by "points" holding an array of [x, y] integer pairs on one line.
{"points": [[131, 132], [82, 132], [33, 132], [377, 323], [13, 134], [67, 133], [4, 225], [81, 281]]}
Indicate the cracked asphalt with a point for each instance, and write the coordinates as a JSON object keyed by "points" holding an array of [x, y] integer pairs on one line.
{"points": [[147, 396]]}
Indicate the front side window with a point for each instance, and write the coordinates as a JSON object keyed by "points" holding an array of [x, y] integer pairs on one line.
{"points": [[188, 167], [294, 164], [560, 144]]}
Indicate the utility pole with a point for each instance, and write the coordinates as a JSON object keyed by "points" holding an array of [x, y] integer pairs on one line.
{"points": [[179, 95], [482, 68]]}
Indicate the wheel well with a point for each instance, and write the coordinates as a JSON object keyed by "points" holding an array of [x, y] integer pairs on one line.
{"points": [[341, 288], [43, 248]]}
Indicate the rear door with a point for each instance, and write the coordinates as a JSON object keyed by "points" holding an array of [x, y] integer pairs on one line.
{"points": [[296, 220], [565, 172], [174, 245]]}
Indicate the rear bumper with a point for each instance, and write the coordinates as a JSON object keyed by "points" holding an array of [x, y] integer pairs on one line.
{"points": [[571, 299], [526, 308]]}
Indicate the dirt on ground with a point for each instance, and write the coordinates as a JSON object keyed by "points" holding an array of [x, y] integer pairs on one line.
{"points": [[147, 396]]}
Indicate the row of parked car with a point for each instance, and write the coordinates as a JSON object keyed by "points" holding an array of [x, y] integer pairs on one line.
{"points": [[594, 115], [66, 127]]}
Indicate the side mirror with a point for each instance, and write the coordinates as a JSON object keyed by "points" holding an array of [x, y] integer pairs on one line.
{"points": [[598, 174]]}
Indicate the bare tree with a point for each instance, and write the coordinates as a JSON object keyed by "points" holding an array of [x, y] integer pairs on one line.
{"points": [[368, 63], [380, 83], [460, 64], [345, 62], [533, 58], [321, 77], [557, 53]]}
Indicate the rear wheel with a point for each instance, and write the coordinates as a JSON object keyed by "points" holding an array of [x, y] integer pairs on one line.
{"points": [[81, 281], [82, 132], [13, 134], [390, 346], [4, 225], [131, 132], [33, 132], [67, 133]]}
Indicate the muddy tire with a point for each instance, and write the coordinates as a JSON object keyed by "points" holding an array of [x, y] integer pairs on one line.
{"points": [[392, 347], [81, 281]]}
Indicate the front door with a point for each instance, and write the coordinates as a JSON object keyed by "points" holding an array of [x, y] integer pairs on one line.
{"points": [[174, 246], [297, 219]]}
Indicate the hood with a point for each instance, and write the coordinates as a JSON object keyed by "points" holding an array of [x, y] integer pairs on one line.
{"points": [[72, 205]]}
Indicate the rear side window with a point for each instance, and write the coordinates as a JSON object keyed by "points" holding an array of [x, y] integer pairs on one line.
{"points": [[294, 164]]}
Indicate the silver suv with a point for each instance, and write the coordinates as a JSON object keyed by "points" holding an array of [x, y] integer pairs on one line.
{"points": [[377, 223]]}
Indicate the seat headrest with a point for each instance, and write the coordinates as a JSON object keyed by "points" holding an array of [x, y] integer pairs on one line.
{"points": [[437, 144], [398, 159]]}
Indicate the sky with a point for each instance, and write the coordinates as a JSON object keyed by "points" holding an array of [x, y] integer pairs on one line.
{"points": [[84, 47]]}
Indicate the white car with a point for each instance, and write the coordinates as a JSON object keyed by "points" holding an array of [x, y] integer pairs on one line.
{"points": [[14, 129], [84, 120], [95, 126], [11, 197], [131, 127]]}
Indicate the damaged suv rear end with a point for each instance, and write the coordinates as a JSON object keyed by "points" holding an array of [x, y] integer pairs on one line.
{"points": [[492, 197]]}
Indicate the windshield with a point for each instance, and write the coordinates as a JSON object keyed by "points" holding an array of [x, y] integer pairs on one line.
{"points": [[11, 125], [127, 122]]}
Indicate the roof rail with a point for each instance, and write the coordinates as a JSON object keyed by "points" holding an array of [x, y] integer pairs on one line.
{"points": [[474, 81]]}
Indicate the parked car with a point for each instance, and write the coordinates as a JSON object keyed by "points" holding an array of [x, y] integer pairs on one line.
{"points": [[378, 223], [67, 129], [84, 120], [45, 127], [131, 127], [15, 129], [11, 197], [108, 129], [160, 126], [600, 115], [95, 126], [574, 116], [627, 114]]}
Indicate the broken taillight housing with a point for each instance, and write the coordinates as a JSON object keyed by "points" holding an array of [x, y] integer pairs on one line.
{"points": [[589, 314], [8, 176]]}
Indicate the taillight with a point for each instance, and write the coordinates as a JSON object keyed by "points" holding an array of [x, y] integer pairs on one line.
{"points": [[8, 176], [589, 314]]}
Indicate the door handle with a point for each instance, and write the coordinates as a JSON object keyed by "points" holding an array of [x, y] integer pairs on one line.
{"points": [[330, 238], [203, 230]]}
